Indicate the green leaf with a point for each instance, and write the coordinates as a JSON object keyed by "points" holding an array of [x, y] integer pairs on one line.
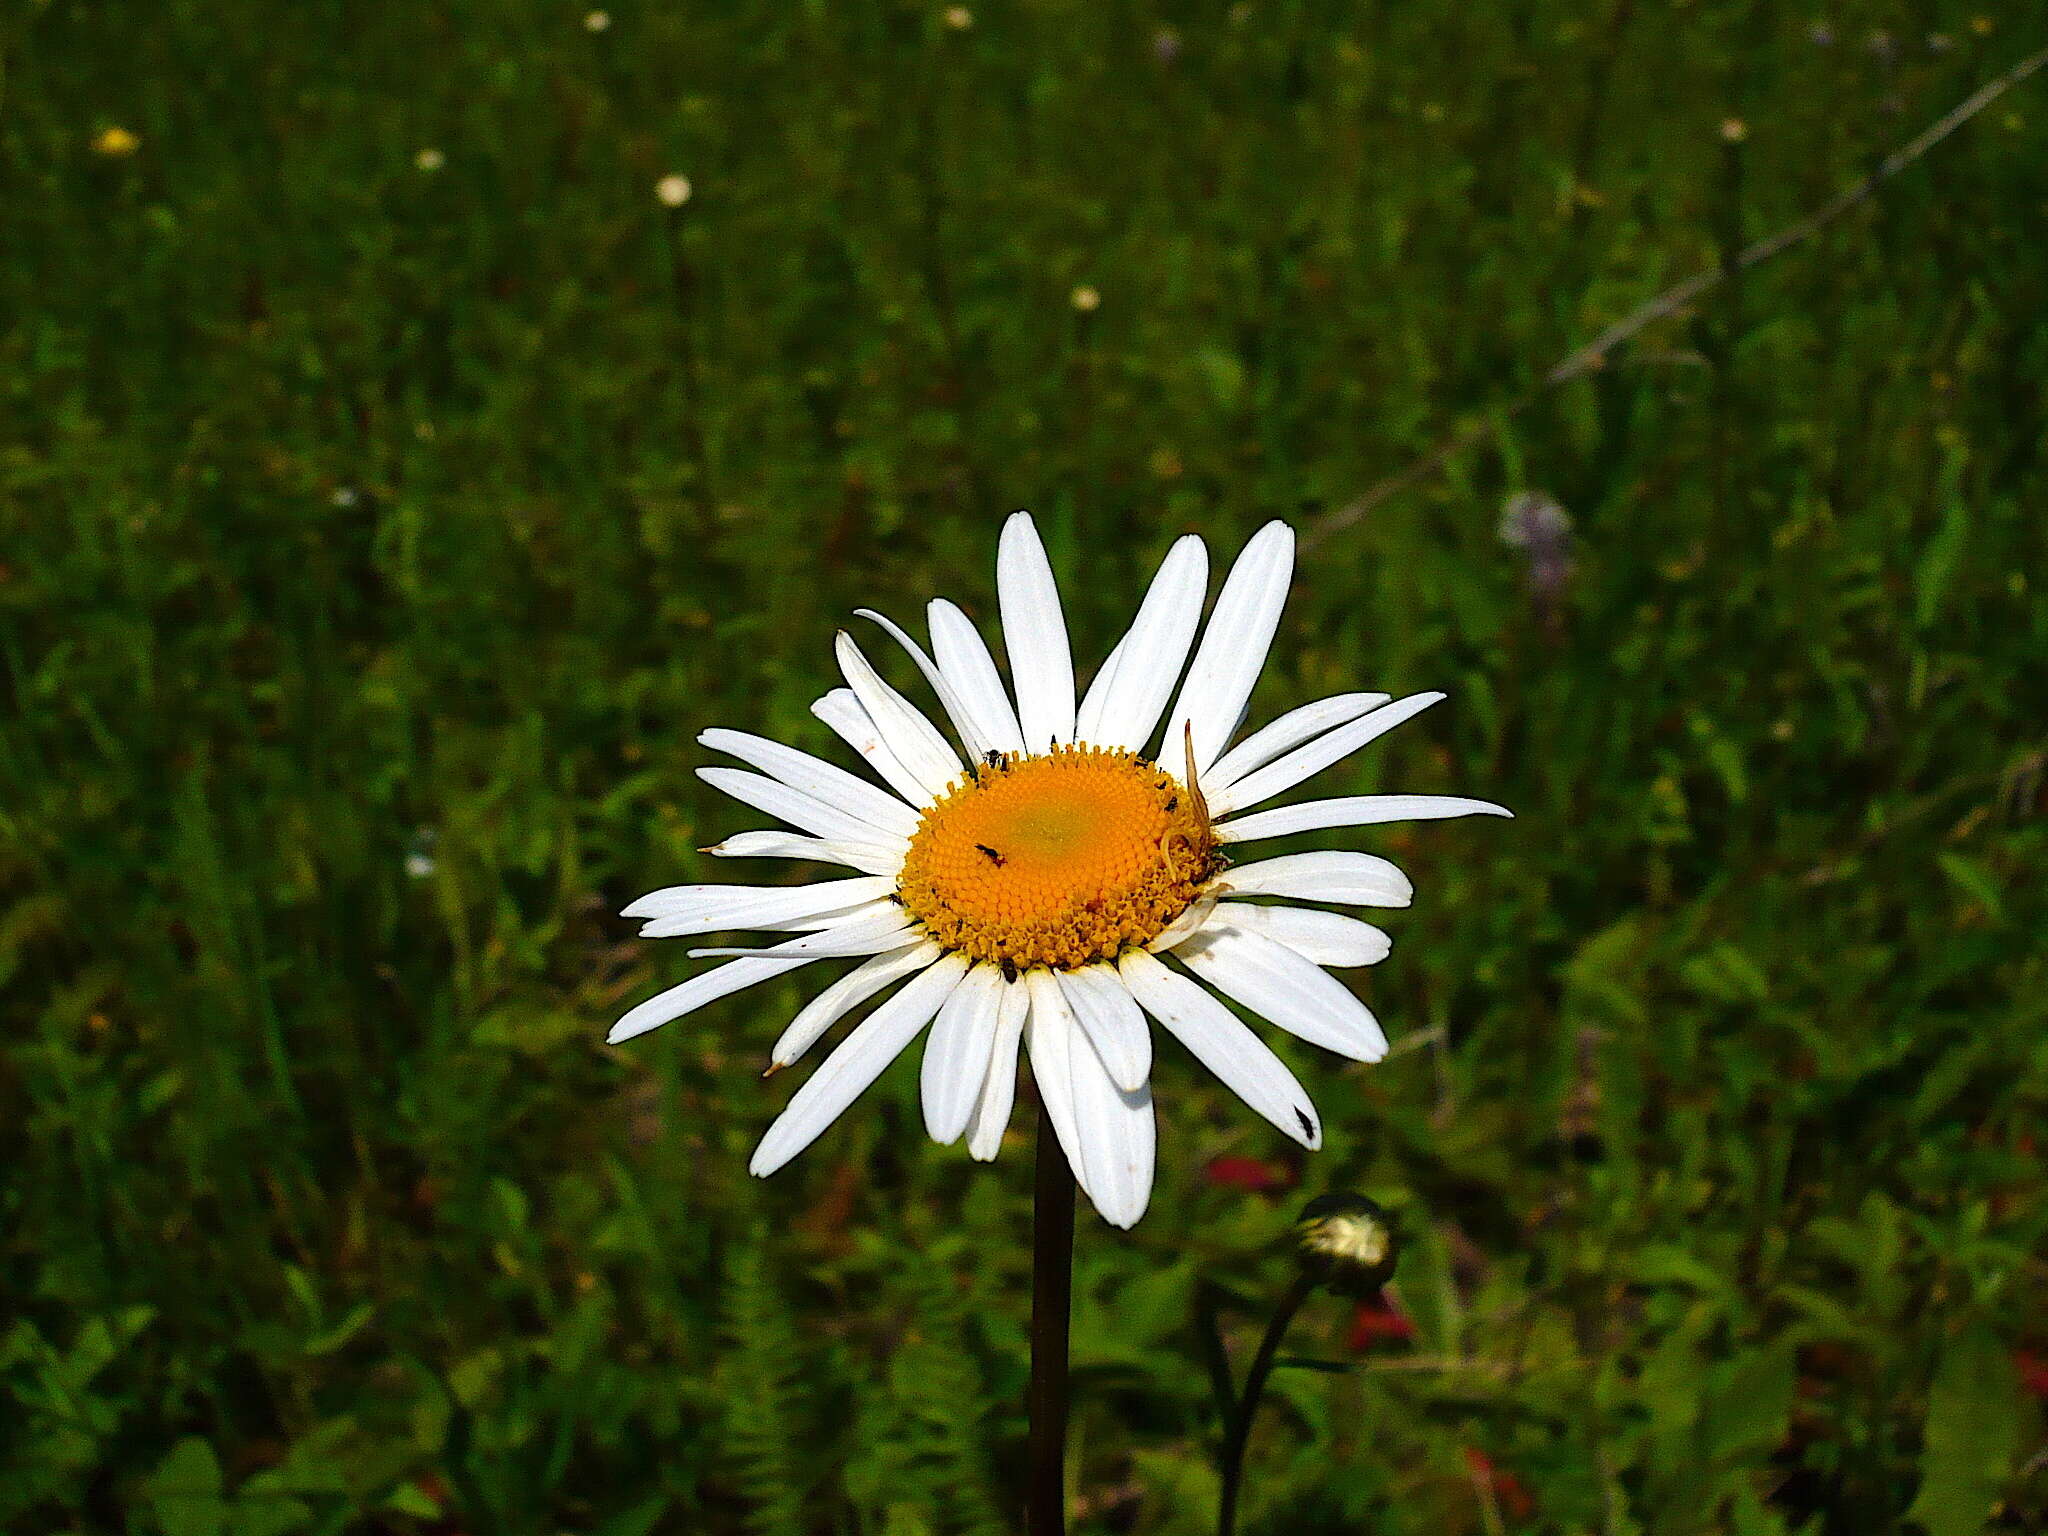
{"points": [[185, 1491], [1669, 1264], [1973, 1434], [905, 1520], [1750, 1405], [411, 1499], [1727, 974], [1305, 1363], [1974, 880], [1609, 967], [1223, 373], [639, 1520], [1937, 564], [331, 1339]]}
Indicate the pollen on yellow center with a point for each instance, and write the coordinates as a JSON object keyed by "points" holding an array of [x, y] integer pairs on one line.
{"points": [[1058, 860]]}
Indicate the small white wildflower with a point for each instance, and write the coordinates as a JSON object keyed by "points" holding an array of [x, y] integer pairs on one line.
{"points": [[673, 190]]}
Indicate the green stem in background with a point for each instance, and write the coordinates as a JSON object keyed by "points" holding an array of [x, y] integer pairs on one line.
{"points": [[1238, 1423], [1052, 1286]]}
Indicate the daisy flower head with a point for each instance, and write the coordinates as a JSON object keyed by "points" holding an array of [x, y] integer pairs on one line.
{"points": [[1054, 876]]}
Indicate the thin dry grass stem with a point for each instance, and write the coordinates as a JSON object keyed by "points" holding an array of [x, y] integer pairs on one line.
{"points": [[1593, 355]]}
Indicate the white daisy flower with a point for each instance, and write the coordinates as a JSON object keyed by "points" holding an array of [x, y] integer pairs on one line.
{"points": [[1057, 878]]}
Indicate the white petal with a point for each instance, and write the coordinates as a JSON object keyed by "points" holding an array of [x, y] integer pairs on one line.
{"points": [[1123, 705], [1191, 922], [1052, 1035], [1090, 715], [845, 995], [1284, 989], [817, 778], [1352, 811], [963, 656], [1327, 938], [817, 922], [694, 994], [914, 739], [1222, 1044], [1286, 772], [798, 808], [861, 1057], [1115, 1133], [1233, 649], [843, 711], [1035, 636], [681, 909], [999, 1089], [874, 858], [972, 739], [1289, 731], [1343, 879], [957, 1053], [1114, 1023], [870, 930]]}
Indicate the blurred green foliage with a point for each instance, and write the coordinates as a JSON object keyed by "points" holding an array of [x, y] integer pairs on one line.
{"points": [[391, 485]]}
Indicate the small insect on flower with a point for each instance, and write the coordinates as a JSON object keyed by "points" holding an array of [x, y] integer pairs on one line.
{"points": [[1027, 888]]}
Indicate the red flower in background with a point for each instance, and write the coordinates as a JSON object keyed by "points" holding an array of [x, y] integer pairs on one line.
{"points": [[2033, 1369], [1378, 1321], [1507, 1490], [1251, 1174]]}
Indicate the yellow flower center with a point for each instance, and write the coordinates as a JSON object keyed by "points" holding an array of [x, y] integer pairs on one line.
{"points": [[1059, 860]]}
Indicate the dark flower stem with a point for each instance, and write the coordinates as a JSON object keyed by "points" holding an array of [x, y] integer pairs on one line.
{"points": [[1238, 1428], [1052, 1285]]}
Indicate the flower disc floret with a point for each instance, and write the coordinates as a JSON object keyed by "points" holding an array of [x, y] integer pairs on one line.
{"points": [[1058, 860]]}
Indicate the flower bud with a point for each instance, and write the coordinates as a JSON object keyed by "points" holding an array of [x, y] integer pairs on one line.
{"points": [[1346, 1243]]}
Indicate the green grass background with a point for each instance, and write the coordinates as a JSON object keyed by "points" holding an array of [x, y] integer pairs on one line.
{"points": [[377, 538]]}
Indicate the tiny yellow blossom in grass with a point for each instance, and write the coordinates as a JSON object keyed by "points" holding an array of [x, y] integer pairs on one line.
{"points": [[116, 143], [1086, 299], [959, 18], [430, 160], [597, 21], [673, 191], [1733, 130]]}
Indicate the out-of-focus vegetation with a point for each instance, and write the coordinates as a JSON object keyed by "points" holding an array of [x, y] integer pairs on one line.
{"points": [[392, 483]]}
